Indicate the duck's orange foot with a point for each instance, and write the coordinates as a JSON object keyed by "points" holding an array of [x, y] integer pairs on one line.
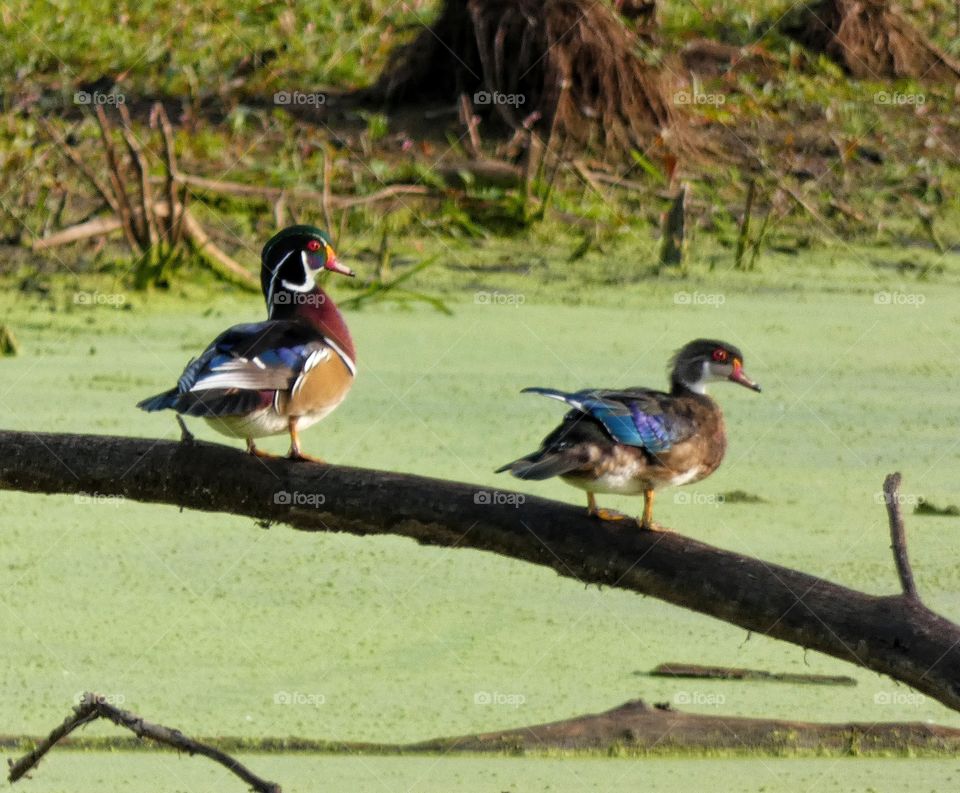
{"points": [[298, 456], [609, 514], [252, 449], [652, 526]]}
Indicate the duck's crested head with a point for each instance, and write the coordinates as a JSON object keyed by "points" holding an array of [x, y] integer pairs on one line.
{"points": [[702, 361], [293, 257]]}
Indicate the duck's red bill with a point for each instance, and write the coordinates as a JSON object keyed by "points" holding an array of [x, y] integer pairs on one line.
{"points": [[739, 376]]}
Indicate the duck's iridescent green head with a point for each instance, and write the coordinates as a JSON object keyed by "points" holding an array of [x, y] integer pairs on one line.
{"points": [[292, 258], [705, 360]]}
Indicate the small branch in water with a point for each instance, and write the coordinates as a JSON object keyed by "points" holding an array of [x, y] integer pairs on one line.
{"points": [[733, 673], [94, 706], [898, 535]]}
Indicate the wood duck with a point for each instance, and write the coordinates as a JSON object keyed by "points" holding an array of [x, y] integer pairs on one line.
{"points": [[284, 374], [635, 440]]}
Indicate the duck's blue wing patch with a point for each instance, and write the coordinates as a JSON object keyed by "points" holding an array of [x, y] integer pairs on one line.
{"points": [[634, 417], [632, 423]]}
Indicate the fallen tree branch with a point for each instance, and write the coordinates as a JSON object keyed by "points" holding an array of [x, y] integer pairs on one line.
{"points": [[301, 193], [94, 706], [633, 728], [695, 671], [894, 635], [215, 257]]}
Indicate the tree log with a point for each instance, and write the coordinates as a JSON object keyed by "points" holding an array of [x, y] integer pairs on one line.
{"points": [[895, 635], [633, 728]]}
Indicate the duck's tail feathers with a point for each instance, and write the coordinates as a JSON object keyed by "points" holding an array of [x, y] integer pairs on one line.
{"points": [[540, 465], [159, 402], [552, 393]]}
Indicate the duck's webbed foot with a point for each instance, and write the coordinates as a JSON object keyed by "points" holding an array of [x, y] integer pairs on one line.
{"points": [[295, 452], [252, 449], [604, 514]]}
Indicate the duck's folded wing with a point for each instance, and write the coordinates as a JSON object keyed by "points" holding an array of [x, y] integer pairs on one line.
{"points": [[639, 417], [244, 368], [633, 417]]}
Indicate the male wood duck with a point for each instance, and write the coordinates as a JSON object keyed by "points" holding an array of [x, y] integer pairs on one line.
{"points": [[635, 440], [281, 375]]}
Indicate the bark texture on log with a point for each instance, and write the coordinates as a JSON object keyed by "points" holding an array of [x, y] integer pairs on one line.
{"points": [[895, 635]]}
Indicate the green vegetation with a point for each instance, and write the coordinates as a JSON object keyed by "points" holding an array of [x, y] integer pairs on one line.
{"points": [[841, 162]]}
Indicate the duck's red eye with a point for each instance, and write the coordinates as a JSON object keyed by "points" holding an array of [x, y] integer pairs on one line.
{"points": [[313, 245], [720, 355]]}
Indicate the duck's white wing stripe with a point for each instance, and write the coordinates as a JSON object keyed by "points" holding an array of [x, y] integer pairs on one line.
{"points": [[244, 373], [315, 358], [343, 356]]}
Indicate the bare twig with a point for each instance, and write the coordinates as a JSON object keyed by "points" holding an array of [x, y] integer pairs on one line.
{"points": [[743, 233], [325, 196], [898, 536], [82, 714], [218, 260], [273, 193], [124, 206], [102, 189], [471, 121], [174, 224], [589, 178], [146, 194], [94, 706]]}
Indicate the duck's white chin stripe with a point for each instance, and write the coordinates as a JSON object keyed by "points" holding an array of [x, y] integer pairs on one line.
{"points": [[273, 282]]}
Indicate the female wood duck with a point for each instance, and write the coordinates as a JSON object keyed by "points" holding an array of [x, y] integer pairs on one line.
{"points": [[281, 375], [636, 440]]}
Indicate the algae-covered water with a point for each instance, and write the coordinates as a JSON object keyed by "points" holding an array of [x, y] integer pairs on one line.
{"points": [[132, 773], [216, 626]]}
